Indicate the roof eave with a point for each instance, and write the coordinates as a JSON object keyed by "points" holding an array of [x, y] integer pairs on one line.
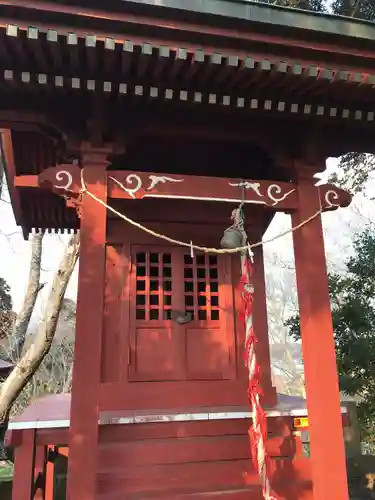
{"points": [[262, 13]]}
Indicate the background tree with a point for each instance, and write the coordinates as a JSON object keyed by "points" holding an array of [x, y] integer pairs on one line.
{"points": [[315, 5], [6, 313], [361, 9], [355, 168], [30, 356], [34, 286], [287, 369], [353, 314]]}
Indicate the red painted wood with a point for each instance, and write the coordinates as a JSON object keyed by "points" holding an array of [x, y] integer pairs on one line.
{"points": [[87, 362], [127, 397], [197, 217], [156, 22], [203, 233], [64, 451], [154, 431], [167, 280], [156, 460], [172, 394], [250, 493], [155, 341], [260, 323], [50, 477], [115, 320], [24, 467], [130, 185], [112, 457], [149, 185], [40, 471], [191, 477], [54, 436], [323, 398], [277, 427], [8, 152], [290, 478]]}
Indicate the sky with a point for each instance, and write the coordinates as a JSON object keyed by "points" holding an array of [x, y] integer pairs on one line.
{"points": [[15, 258]]}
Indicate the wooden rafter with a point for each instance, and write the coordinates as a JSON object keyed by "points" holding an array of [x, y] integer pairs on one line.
{"points": [[20, 80], [236, 72]]}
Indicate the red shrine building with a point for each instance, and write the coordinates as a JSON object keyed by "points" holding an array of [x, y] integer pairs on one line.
{"points": [[170, 113]]}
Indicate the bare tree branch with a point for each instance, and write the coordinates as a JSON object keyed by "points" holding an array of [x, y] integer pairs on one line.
{"points": [[34, 355], [33, 288], [68, 382]]}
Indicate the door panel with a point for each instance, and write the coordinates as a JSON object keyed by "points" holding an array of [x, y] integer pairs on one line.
{"points": [[167, 281], [156, 346], [157, 354], [210, 336], [207, 357]]}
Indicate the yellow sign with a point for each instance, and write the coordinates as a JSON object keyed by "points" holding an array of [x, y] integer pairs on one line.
{"points": [[301, 422]]}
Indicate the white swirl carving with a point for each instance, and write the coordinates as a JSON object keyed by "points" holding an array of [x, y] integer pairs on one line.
{"points": [[330, 198], [134, 178], [130, 179], [272, 191], [275, 189], [64, 175]]}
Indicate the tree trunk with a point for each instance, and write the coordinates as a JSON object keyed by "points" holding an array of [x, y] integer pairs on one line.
{"points": [[33, 288], [34, 355]]}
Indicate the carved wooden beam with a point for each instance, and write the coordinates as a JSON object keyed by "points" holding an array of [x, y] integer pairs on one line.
{"points": [[125, 184], [332, 197]]}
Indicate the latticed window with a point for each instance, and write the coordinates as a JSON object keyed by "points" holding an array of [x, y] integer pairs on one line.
{"points": [[201, 287], [153, 286], [158, 279], [181, 315]]}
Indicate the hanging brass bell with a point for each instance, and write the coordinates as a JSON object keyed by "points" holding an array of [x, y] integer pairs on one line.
{"points": [[232, 238]]}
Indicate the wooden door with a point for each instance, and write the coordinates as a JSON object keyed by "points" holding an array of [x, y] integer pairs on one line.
{"points": [[156, 345], [208, 298], [168, 282]]}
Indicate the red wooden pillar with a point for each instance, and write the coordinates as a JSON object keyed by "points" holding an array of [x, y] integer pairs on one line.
{"points": [[261, 327], [23, 481], [50, 474], [323, 397], [40, 472], [83, 439]]}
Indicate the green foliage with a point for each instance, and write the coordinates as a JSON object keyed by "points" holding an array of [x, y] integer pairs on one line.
{"points": [[6, 472], [6, 314], [315, 5], [362, 9], [355, 168], [353, 314]]}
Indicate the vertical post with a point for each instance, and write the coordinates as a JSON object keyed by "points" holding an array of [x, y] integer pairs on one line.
{"points": [[261, 327], [40, 472], [23, 482], [50, 474], [84, 416], [318, 347]]}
